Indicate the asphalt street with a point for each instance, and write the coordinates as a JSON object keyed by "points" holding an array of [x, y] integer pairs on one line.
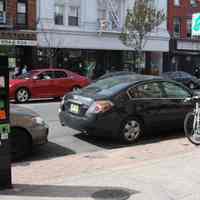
{"points": [[62, 140], [65, 141]]}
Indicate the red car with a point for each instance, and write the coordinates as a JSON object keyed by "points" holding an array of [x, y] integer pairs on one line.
{"points": [[45, 83]]}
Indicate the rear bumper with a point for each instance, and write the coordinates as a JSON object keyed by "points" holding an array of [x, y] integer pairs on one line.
{"points": [[107, 124], [76, 122]]}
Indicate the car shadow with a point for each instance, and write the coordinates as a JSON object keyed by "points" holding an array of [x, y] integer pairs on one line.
{"points": [[68, 191], [47, 151], [110, 143]]}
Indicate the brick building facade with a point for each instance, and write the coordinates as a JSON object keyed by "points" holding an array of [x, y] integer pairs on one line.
{"points": [[184, 48], [18, 31], [11, 12]]}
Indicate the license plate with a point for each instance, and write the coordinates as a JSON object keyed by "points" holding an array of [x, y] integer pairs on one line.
{"points": [[74, 108]]}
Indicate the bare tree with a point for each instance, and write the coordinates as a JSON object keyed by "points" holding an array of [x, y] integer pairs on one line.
{"points": [[143, 18], [52, 52], [52, 45]]}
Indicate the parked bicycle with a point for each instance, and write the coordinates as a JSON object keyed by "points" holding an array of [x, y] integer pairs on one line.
{"points": [[192, 121]]}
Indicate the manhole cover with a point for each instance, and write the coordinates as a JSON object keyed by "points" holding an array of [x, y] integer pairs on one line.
{"points": [[112, 194]]}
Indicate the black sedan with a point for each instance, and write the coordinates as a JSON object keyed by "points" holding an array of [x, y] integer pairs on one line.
{"points": [[126, 106], [187, 79]]}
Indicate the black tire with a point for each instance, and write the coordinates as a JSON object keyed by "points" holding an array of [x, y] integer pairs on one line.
{"points": [[57, 98], [20, 143], [76, 87], [189, 131], [131, 129], [22, 95]]}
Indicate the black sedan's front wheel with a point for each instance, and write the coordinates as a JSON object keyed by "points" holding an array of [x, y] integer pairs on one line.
{"points": [[131, 130]]}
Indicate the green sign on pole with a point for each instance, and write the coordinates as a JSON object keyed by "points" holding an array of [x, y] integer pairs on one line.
{"points": [[196, 24]]}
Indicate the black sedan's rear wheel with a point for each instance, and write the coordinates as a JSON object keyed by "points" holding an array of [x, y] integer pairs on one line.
{"points": [[22, 95], [20, 143], [131, 130]]}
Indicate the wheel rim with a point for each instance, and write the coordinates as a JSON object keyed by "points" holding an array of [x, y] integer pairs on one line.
{"points": [[192, 135], [132, 130], [22, 95]]}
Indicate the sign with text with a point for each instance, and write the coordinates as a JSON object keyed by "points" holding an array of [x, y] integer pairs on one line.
{"points": [[196, 24], [18, 42]]}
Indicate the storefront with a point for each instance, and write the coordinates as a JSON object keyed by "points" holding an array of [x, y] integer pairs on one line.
{"points": [[18, 47], [184, 56], [95, 54]]}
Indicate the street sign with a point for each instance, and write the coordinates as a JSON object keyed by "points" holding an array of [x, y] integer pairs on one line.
{"points": [[196, 24]]}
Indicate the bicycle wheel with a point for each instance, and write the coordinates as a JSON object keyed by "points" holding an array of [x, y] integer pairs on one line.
{"points": [[190, 133]]}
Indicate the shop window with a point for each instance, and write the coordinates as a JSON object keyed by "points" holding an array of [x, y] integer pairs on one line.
{"points": [[73, 18], [177, 26], [21, 12], [59, 14]]}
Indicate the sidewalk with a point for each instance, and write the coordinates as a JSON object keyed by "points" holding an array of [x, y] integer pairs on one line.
{"points": [[139, 172]]}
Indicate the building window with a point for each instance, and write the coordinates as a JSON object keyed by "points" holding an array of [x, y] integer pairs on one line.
{"points": [[2, 5], [102, 13], [176, 26], [2, 12], [102, 17], [73, 18], [193, 3], [59, 14], [177, 2], [21, 13], [189, 28], [109, 15]]}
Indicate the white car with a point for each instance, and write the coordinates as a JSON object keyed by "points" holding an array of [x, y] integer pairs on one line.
{"points": [[28, 129]]}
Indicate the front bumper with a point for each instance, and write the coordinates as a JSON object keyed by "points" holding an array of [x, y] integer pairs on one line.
{"points": [[39, 134]]}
